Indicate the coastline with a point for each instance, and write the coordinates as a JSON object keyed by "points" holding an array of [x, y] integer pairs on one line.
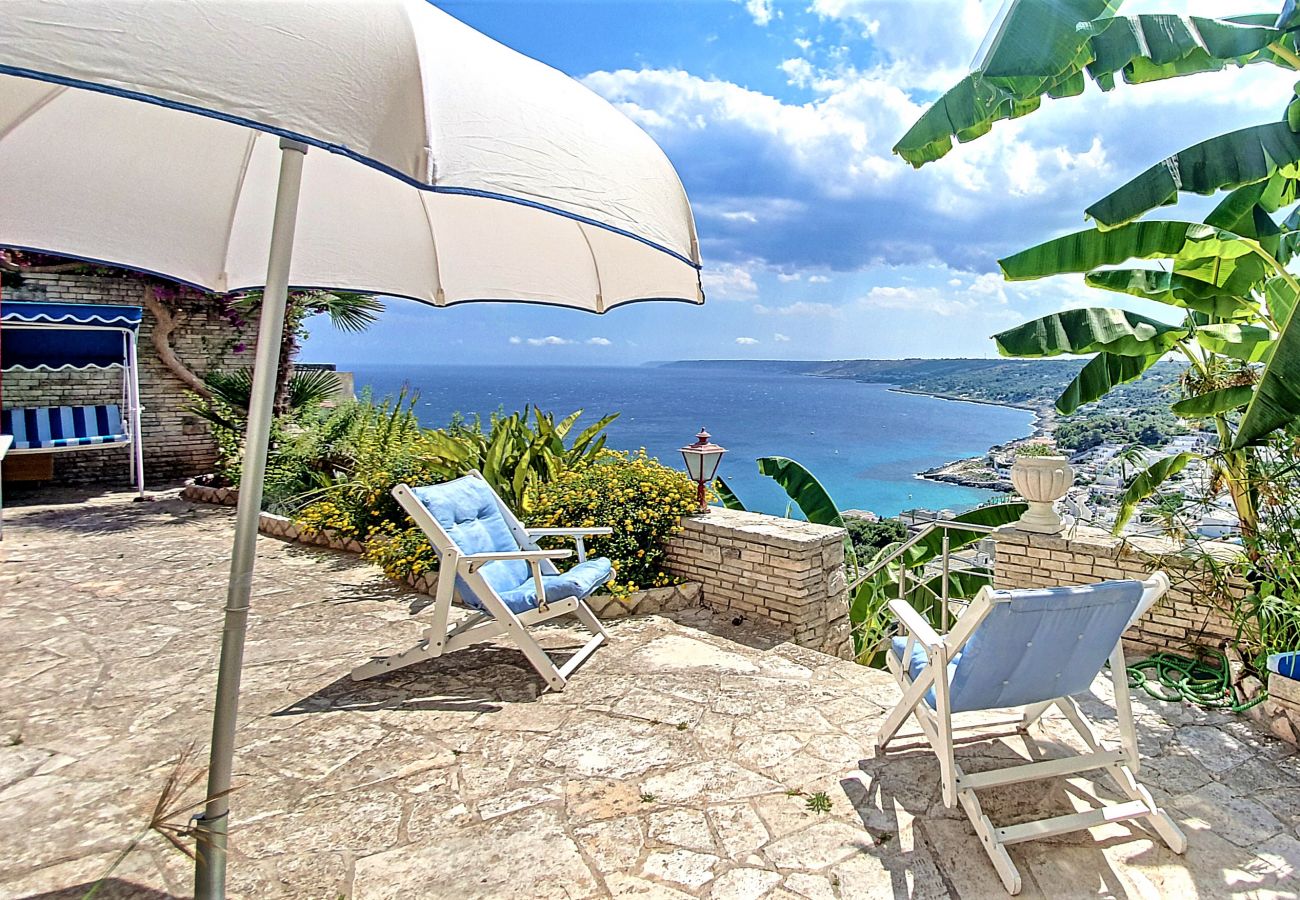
{"points": [[975, 471]]}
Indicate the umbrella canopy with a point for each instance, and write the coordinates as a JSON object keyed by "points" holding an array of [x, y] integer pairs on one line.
{"points": [[458, 170], [373, 145]]}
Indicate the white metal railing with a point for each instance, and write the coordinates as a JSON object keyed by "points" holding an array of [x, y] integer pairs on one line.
{"points": [[918, 577]]}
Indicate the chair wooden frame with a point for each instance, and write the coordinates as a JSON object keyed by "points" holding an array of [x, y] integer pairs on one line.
{"points": [[960, 787], [496, 618]]}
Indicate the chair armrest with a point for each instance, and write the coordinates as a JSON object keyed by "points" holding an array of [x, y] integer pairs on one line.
{"points": [[471, 561], [567, 532], [915, 623]]}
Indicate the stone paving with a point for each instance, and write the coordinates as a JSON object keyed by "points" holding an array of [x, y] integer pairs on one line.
{"points": [[681, 761]]}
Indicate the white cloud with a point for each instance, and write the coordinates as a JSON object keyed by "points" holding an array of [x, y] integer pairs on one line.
{"points": [[818, 279], [811, 184], [760, 11], [515, 339], [816, 160], [798, 71], [788, 276], [599, 341], [801, 308], [917, 299], [780, 338], [729, 281], [746, 341], [551, 340]]}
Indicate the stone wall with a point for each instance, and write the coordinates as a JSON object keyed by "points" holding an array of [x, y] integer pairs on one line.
{"points": [[783, 572], [1190, 615], [176, 442]]}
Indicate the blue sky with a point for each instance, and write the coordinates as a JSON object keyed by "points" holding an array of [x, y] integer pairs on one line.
{"points": [[817, 242]]}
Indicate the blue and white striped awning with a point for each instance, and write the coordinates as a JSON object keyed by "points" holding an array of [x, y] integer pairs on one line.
{"points": [[50, 336]]}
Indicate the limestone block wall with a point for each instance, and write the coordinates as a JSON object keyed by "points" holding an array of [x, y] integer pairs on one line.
{"points": [[1192, 614], [786, 573], [176, 442]]}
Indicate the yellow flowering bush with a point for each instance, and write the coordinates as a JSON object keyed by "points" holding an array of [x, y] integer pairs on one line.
{"points": [[403, 553], [640, 498]]}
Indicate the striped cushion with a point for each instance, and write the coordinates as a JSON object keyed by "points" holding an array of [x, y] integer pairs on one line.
{"points": [[63, 426]]}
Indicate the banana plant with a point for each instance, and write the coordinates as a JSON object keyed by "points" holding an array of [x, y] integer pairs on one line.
{"points": [[1228, 278], [1051, 48]]}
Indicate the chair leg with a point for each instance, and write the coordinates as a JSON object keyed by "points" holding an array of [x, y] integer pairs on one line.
{"points": [[1160, 820], [471, 631], [913, 694], [988, 836], [1033, 714], [588, 618]]}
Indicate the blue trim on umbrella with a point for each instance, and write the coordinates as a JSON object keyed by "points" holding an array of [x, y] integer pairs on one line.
{"points": [[332, 148], [372, 291], [96, 261]]}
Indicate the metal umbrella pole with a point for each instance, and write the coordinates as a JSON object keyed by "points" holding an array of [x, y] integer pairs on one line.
{"points": [[212, 826]]}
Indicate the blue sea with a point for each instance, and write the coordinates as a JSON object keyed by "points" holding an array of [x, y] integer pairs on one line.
{"points": [[864, 442]]}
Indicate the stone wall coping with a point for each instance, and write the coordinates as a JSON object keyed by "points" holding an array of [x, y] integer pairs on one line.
{"points": [[788, 534], [1102, 543]]}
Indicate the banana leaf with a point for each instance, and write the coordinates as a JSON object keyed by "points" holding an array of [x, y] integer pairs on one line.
{"points": [[1211, 403], [1147, 483], [1281, 299], [1095, 380], [1277, 397], [1227, 161], [1248, 343], [1185, 242], [1094, 330], [1173, 290], [727, 495], [1043, 47], [1154, 46], [803, 488], [994, 515]]}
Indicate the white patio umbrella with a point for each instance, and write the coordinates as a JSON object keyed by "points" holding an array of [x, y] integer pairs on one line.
{"points": [[371, 145]]}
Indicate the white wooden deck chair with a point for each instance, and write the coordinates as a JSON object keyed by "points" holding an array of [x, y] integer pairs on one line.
{"points": [[492, 562], [1030, 650]]}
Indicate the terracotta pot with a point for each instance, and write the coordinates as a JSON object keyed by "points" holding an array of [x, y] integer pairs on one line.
{"points": [[1041, 480]]}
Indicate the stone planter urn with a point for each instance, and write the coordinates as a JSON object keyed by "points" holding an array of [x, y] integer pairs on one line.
{"points": [[1041, 480]]}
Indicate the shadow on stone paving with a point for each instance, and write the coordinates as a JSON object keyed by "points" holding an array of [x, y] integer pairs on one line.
{"points": [[905, 781], [96, 519], [477, 679], [110, 889]]}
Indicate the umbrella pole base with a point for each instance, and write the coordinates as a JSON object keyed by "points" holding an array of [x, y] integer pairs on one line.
{"points": [[210, 857]]}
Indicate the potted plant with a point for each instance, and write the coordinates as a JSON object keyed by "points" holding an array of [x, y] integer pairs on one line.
{"points": [[1042, 476]]}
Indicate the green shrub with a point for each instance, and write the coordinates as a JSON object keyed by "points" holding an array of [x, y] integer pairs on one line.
{"points": [[869, 538], [385, 446], [637, 496], [403, 553], [1037, 449]]}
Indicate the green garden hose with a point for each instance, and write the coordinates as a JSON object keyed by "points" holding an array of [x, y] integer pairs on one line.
{"points": [[1170, 677]]}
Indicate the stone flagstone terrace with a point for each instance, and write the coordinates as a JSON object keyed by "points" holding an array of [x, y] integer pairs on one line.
{"points": [[688, 758]]}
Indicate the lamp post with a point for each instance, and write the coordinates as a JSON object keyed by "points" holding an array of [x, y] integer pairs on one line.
{"points": [[702, 460]]}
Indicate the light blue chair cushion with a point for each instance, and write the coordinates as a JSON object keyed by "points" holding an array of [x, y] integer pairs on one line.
{"points": [[1036, 645], [468, 510], [578, 582]]}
